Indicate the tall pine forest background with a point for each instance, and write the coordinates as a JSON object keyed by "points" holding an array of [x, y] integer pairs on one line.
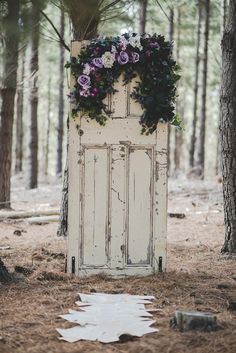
{"points": [[196, 31]]}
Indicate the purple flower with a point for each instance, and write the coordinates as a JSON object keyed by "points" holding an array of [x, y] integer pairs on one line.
{"points": [[148, 53], [134, 57], [85, 93], [154, 45], [94, 92], [84, 81], [97, 62], [123, 58], [88, 69]]}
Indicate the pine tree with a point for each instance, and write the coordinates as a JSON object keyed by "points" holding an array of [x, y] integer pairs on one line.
{"points": [[142, 15], [203, 117], [19, 114], [196, 83], [33, 97], [228, 128], [10, 31], [61, 98]]}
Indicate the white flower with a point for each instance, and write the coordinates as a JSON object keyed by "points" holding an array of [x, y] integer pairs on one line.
{"points": [[135, 42], [113, 50], [124, 42], [87, 69], [108, 59]]}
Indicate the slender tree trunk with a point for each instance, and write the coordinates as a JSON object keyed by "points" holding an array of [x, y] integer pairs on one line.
{"points": [[48, 127], [84, 16], [171, 37], [224, 8], [228, 128], [142, 16], [223, 23], [63, 223], [8, 90], [178, 133], [33, 98], [84, 27], [201, 152], [19, 115], [61, 100], [196, 85]]}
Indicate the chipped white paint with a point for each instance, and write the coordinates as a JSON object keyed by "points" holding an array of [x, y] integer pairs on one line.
{"points": [[117, 192], [119, 100]]}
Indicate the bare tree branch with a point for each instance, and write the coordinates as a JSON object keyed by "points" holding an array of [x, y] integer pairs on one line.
{"points": [[61, 40], [105, 8], [162, 9]]}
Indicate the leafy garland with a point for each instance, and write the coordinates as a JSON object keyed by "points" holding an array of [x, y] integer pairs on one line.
{"points": [[103, 60]]}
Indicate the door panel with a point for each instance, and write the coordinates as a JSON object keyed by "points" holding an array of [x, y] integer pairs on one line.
{"points": [[119, 99], [116, 131], [118, 206], [134, 109], [95, 206], [140, 217]]}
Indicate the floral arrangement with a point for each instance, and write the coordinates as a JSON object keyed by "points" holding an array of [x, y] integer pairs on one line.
{"points": [[103, 60]]}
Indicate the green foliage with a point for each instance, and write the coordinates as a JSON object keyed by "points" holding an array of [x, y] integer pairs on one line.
{"points": [[150, 60]]}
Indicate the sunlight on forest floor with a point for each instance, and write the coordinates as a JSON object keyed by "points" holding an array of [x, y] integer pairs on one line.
{"points": [[198, 277]]}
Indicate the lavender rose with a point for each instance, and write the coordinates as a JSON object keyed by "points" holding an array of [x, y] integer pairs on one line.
{"points": [[123, 58], [84, 81], [134, 57], [97, 62]]}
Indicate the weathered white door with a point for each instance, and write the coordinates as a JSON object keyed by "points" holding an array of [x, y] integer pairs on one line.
{"points": [[117, 192]]}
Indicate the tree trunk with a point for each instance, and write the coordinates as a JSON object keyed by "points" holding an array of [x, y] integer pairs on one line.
{"points": [[85, 17], [201, 152], [196, 85], [224, 8], [178, 133], [48, 127], [63, 222], [223, 23], [142, 16], [19, 115], [171, 37], [8, 90], [84, 27], [228, 128], [61, 99], [33, 98]]}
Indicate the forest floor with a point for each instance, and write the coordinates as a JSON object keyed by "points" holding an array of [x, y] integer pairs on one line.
{"points": [[198, 277]]}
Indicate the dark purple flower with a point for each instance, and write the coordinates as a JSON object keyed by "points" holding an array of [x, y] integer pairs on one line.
{"points": [[84, 81], [94, 92], [134, 57], [154, 45], [148, 53], [123, 58], [97, 62]]}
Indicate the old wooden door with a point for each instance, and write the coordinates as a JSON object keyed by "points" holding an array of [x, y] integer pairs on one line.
{"points": [[117, 192]]}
